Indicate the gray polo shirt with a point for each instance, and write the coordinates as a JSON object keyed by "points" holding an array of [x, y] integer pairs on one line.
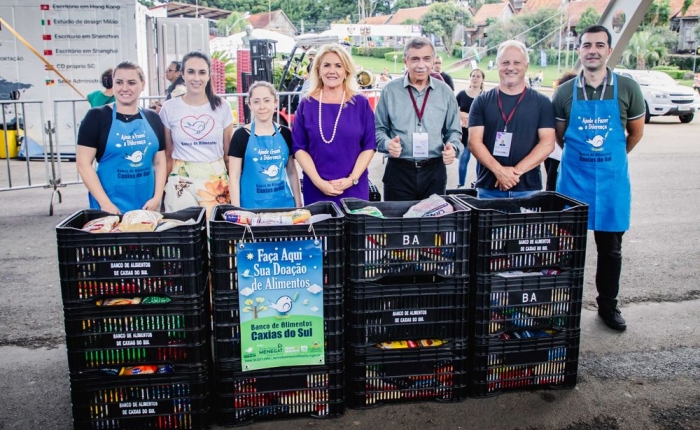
{"points": [[395, 116]]}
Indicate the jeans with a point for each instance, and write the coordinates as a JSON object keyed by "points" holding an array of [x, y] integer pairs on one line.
{"points": [[609, 266], [485, 193], [463, 163]]}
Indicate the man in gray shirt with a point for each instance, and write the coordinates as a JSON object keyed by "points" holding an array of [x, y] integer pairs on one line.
{"points": [[417, 124]]}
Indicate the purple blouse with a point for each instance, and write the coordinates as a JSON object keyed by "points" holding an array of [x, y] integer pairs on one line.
{"points": [[334, 160]]}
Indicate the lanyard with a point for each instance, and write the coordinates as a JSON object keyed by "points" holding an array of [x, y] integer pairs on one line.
{"points": [[602, 93], [415, 105], [510, 116]]}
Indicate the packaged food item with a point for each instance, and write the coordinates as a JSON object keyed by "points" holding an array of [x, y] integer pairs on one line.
{"points": [[167, 224], [125, 301], [140, 220], [368, 210], [239, 217], [432, 206], [405, 344], [101, 225], [121, 301], [144, 369], [297, 216]]}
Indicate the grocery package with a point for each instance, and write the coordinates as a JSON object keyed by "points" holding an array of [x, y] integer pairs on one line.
{"points": [[297, 216], [432, 206]]}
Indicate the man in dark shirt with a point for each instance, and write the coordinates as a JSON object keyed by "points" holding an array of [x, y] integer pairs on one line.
{"points": [[437, 68], [511, 129]]}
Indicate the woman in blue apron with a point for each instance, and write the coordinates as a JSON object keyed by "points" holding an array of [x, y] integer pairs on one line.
{"points": [[128, 144], [262, 174]]}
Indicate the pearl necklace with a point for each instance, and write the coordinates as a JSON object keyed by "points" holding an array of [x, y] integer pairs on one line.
{"points": [[337, 118]]}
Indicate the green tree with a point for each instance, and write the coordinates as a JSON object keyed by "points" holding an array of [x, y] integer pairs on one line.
{"points": [[589, 17], [686, 6], [500, 31], [442, 19], [645, 50], [659, 14], [540, 26], [234, 23]]}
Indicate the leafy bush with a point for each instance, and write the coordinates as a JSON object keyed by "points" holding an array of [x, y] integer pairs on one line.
{"points": [[675, 74], [663, 68], [389, 56], [681, 62], [366, 51]]}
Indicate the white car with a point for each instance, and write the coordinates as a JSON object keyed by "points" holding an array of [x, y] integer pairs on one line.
{"points": [[663, 95]]}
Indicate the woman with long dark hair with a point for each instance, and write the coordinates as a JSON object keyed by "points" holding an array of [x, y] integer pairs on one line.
{"points": [[465, 98], [198, 130]]}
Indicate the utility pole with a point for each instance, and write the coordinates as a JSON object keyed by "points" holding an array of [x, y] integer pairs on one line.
{"points": [[561, 13]]}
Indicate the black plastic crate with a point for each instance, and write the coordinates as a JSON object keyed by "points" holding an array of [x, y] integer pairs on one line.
{"points": [[376, 376], [225, 236], [105, 336], [98, 265], [527, 306], [406, 307], [546, 230], [141, 402], [525, 364], [394, 245], [227, 340], [279, 393]]}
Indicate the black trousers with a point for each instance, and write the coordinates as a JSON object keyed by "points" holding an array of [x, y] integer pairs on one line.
{"points": [[607, 277], [407, 180], [551, 166]]}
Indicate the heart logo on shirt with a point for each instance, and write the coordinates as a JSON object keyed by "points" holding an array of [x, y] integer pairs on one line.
{"points": [[197, 127]]}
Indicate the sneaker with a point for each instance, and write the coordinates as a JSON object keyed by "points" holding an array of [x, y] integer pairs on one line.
{"points": [[612, 318]]}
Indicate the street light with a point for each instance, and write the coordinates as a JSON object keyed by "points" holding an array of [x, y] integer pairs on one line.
{"points": [[246, 15]]}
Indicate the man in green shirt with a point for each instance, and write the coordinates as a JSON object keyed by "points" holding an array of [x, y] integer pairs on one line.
{"points": [[600, 118]]}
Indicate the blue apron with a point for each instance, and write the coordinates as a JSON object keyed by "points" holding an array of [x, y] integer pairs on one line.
{"points": [[594, 166], [126, 167], [264, 179]]}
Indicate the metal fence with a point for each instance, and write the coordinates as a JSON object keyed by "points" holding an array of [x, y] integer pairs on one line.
{"points": [[40, 153]]}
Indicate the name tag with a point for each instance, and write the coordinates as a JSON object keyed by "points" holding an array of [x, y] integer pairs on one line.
{"points": [[420, 145], [502, 146]]}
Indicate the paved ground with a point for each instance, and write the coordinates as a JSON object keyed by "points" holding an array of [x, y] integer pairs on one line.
{"points": [[645, 378]]}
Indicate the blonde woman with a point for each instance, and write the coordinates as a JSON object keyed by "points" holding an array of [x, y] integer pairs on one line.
{"points": [[262, 172], [333, 131], [198, 130]]}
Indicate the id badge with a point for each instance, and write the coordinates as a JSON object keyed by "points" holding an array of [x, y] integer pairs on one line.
{"points": [[502, 145], [420, 145]]}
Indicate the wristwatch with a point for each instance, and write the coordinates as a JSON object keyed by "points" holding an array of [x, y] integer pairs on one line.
{"points": [[355, 181]]}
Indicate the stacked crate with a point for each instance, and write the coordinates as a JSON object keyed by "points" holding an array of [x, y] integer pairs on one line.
{"points": [[406, 293], [282, 392], [527, 285], [137, 323]]}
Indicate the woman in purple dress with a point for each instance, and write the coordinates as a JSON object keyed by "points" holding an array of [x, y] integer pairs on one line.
{"points": [[333, 131]]}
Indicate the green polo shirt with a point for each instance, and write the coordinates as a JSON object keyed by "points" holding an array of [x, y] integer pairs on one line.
{"points": [[629, 97]]}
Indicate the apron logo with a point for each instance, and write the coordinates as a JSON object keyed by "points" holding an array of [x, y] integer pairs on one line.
{"points": [[597, 143], [197, 127], [271, 171], [136, 157]]}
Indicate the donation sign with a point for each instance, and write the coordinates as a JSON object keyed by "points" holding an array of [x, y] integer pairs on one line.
{"points": [[280, 287]]}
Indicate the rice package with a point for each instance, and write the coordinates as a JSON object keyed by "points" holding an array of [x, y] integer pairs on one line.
{"points": [[104, 224], [140, 220], [430, 207]]}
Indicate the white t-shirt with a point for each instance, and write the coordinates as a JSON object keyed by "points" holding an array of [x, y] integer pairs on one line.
{"points": [[197, 131]]}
